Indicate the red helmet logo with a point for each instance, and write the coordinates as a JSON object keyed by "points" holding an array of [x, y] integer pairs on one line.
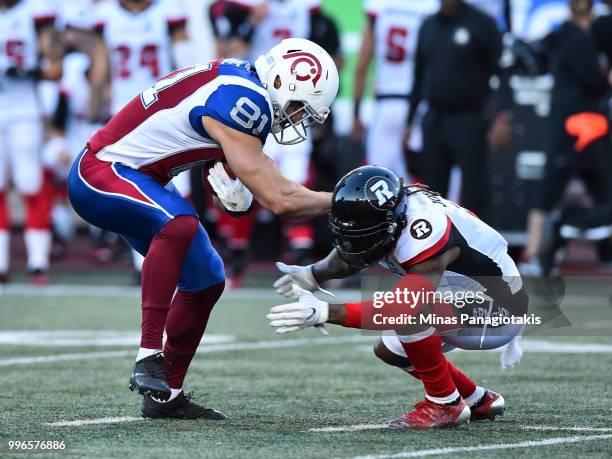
{"points": [[314, 73]]}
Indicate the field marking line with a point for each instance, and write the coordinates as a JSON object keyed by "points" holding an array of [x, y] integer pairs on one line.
{"points": [[467, 449], [89, 422], [109, 291], [358, 427], [64, 357], [353, 428], [225, 347]]}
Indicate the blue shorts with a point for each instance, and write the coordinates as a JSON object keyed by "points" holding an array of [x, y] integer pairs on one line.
{"points": [[123, 200]]}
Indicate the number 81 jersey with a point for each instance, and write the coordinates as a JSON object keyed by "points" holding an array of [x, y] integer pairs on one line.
{"points": [[160, 131]]}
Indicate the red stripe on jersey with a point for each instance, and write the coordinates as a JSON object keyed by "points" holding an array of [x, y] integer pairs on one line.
{"points": [[44, 19], [99, 27], [177, 22], [433, 250], [160, 170], [134, 113], [101, 176]]}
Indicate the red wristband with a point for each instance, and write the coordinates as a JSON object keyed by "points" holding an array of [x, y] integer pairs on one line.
{"points": [[353, 315]]}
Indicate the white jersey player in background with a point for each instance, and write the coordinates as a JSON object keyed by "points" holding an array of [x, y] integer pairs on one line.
{"points": [[25, 36], [389, 39], [146, 39]]}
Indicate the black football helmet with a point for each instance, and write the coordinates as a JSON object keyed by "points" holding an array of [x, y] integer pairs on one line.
{"points": [[368, 214]]}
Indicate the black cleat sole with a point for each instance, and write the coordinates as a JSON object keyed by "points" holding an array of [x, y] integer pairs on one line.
{"points": [[159, 395]]}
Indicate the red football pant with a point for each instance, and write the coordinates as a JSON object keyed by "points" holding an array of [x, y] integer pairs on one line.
{"points": [[160, 275], [185, 327]]}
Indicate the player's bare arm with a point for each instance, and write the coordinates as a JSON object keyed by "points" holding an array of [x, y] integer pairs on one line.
{"points": [[92, 44], [260, 174], [332, 267], [51, 52]]}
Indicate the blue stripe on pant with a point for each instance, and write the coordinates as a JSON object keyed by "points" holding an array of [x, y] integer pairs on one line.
{"points": [[138, 222]]}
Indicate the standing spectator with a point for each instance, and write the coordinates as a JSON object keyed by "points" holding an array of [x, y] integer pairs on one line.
{"points": [[389, 39], [580, 220], [457, 53], [576, 111]]}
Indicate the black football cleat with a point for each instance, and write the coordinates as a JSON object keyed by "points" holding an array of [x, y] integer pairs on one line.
{"points": [[180, 407], [149, 377]]}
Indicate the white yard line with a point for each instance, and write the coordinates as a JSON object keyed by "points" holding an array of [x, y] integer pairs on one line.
{"points": [[88, 422], [353, 428], [106, 291], [468, 449], [358, 427], [271, 344], [64, 357]]}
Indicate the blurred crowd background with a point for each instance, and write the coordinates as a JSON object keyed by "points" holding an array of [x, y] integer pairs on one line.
{"points": [[502, 105]]}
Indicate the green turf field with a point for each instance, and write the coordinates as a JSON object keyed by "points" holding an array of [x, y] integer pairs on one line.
{"points": [[277, 389]]}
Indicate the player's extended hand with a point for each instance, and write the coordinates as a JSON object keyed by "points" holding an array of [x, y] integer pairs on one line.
{"points": [[302, 276], [308, 311], [232, 193]]}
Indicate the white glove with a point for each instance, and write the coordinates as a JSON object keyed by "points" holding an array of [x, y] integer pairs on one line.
{"points": [[512, 353], [232, 193], [308, 311], [301, 276]]}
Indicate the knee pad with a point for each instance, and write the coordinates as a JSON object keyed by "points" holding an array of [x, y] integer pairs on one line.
{"points": [[183, 227]]}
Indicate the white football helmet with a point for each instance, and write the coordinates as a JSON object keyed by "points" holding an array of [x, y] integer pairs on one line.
{"points": [[298, 72]]}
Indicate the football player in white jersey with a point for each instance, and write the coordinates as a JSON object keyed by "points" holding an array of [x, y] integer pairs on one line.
{"points": [[434, 246], [25, 35], [389, 39]]}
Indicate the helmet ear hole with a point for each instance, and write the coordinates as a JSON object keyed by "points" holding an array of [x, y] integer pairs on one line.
{"points": [[277, 82]]}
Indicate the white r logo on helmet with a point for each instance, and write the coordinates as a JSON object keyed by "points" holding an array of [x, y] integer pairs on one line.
{"points": [[382, 192], [311, 68]]}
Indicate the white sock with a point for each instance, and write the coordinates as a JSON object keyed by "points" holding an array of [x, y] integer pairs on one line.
{"points": [[173, 394], [5, 240], [443, 400], [38, 247], [476, 396], [143, 353]]}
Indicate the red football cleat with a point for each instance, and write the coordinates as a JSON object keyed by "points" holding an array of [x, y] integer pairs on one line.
{"points": [[492, 404], [430, 415]]}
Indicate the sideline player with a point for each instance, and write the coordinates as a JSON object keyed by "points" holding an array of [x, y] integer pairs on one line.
{"points": [[25, 44], [145, 39], [220, 111], [389, 39], [431, 243]]}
